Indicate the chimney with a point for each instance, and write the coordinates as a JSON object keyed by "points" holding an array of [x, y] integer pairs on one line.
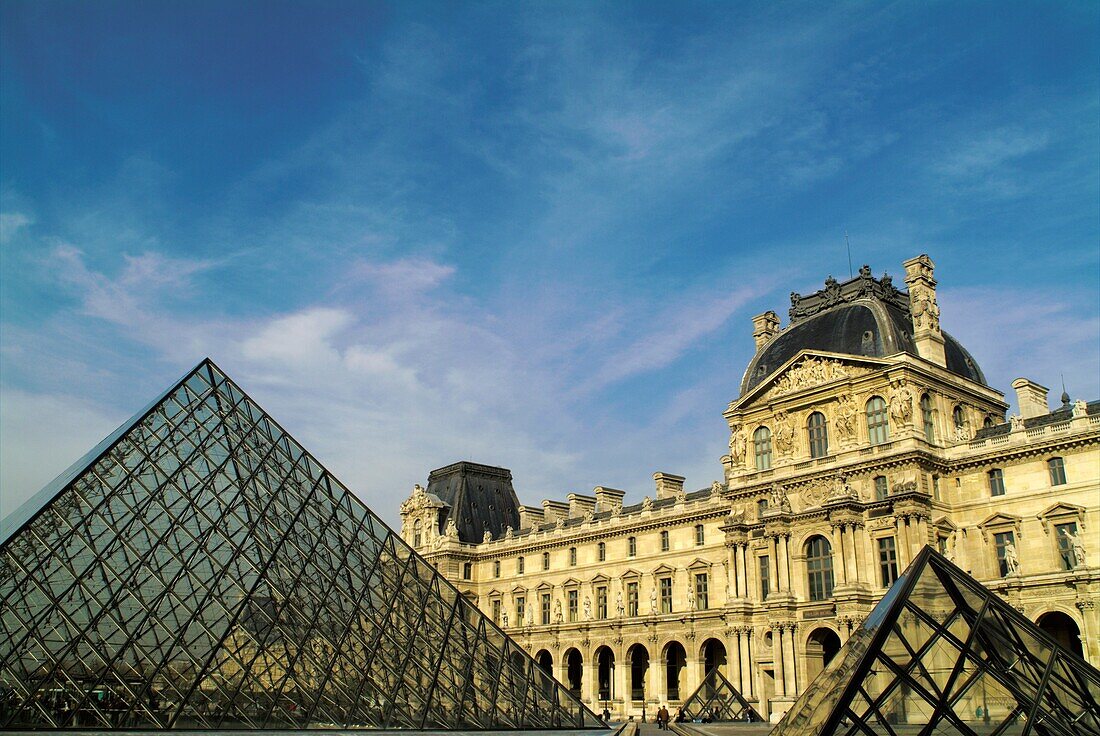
{"points": [[924, 309], [608, 499], [554, 510], [1031, 397], [530, 517], [668, 485], [579, 505], [764, 327]]}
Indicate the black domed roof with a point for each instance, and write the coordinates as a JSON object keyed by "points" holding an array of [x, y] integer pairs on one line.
{"points": [[864, 316]]}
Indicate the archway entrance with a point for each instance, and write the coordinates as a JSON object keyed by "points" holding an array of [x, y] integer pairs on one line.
{"points": [[821, 646], [675, 662], [1063, 629], [639, 666], [573, 670], [605, 673], [545, 661], [714, 655]]}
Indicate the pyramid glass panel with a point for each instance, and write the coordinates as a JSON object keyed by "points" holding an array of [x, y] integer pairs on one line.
{"points": [[199, 569], [940, 654], [716, 699]]}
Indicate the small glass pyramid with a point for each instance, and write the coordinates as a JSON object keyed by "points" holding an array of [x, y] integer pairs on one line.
{"points": [[717, 700], [199, 569], [940, 654]]}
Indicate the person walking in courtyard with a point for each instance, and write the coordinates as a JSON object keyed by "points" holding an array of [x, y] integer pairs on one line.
{"points": [[662, 718]]}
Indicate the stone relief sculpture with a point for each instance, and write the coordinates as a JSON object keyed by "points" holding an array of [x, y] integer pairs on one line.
{"points": [[504, 619], [1017, 422], [737, 445], [619, 607], [846, 412], [587, 608], [691, 598], [647, 504], [901, 404], [779, 498], [1076, 547], [1012, 559], [653, 601], [1080, 409], [451, 532], [557, 612], [486, 537], [783, 434]]}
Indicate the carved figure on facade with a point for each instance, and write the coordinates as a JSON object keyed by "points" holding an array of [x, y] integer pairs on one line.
{"points": [[681, 496], [619, 607], [715, 489], [451, 531], [901, 404], [926, 312], [559, 523], [508, 532], [737, 445], [691, 599], [587, 608], [504, 619], [653, 601], [736, 515], [1012, 559], [783, 434], [810, 372], [647, 504], [530, 616], [841, 489], [1017, 422], [779, 498], [1080, 409], [846, 412], [1076, 547], [486, 537], [557, 612]]}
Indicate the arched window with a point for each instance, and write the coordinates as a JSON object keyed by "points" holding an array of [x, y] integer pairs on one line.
{"points": [[958, 416], [601, 551], [545, 560], [762, 447], [416, 533], [819, 567], [926, 415], [664, 541], [878, 425], [1057, 468], [819, 435]]}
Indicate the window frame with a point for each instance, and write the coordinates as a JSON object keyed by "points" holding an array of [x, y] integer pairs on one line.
{"points": [[700, 535], [572, 556], [664, 541], [572, 605], [601, 602], [819, 568], [520, 565], [632, 598], [882, 490], [601, 551], [762, 448], [702, 591], [1056, 469], [764, 575], [496, 568], [1000, 544], [887, 548], [544, 608], [877, 420], [631, 546], [467, 571], [545, 561], [995, 480], [928, 417], [664, 593], [817, 432]]}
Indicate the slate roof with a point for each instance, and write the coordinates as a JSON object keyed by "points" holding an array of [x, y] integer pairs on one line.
{"points": [[1062, 414], [481, 499]]}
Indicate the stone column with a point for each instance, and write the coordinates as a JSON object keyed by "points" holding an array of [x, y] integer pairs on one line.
{"points": [[746, 660], [790, 663], [784, 563], [733, 641], [777, 661], [903, 543], [745, 586], [843, 567], [590, 687], [731, 570]]}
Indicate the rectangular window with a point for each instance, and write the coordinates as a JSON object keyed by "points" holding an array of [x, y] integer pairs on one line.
{"points": [[1002, 540], [700, 535], [702, 597], [765, 578], [936, 487], [666, 595], [664, 541], [996, 482], [882, 488], [467, 570], [572, 556], [571, 599], [631, 599], [631, 546], [761, 508], [1057, 469], [544, 600], [601, 552], [1065, 533], [545, 560], [601, 602], [521, 609], [887, 561], [496, 568], [496, 611]]}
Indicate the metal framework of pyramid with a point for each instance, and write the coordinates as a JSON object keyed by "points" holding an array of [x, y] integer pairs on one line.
{"points": [[199, 569], [716, 699], [941, 654]]}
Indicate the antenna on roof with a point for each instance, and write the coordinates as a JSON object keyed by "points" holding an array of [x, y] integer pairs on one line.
{"points": [[848, 245]]}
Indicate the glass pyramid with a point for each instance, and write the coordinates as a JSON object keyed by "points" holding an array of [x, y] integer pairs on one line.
{"points": [[199, 569], [940, 654], [717, 700]]}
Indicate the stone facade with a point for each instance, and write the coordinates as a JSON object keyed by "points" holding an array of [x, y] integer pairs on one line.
{"points": [[843, 463]]}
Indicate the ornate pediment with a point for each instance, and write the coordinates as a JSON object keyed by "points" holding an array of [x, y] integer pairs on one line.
{"points": [[699, 564], [664, 569], [812, 371]]}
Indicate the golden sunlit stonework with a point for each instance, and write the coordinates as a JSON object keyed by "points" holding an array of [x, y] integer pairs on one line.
{"points": [[862, 432]]}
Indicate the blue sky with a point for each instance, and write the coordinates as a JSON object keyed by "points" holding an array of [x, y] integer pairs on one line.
{"points": [[526, 234]]}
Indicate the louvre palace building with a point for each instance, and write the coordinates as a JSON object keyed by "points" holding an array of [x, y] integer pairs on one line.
{"points": [[862, 433]]}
